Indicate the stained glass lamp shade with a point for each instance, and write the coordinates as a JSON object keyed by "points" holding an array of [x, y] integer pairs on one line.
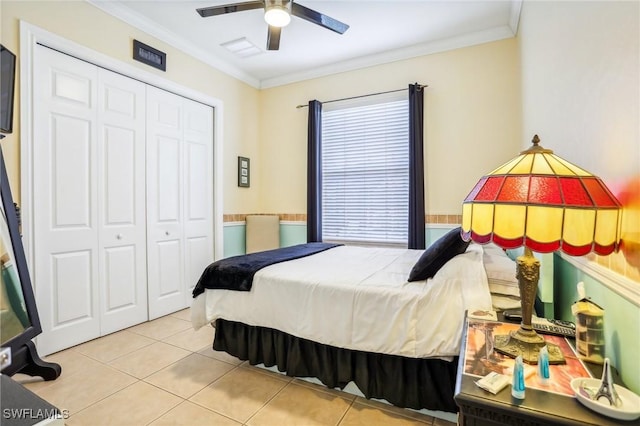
{"points": [[544, 203]]}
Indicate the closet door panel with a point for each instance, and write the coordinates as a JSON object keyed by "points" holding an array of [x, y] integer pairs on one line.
{"points": [[70, 273], [121, 178], [65, 200], [119, 168], [179, 198], [169, 253], [198, 201], [168, 230], [198, 256], [119, 272], [169, 194], [165, 245], [71, 187]]}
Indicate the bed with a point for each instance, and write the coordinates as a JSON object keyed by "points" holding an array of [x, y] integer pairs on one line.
{"points": [[352, 314]]}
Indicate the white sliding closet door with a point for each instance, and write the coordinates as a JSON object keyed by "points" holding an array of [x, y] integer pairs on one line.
{"points": [[121, 201], [65, 200], [198, 201], [88, 179], [179, 198]]}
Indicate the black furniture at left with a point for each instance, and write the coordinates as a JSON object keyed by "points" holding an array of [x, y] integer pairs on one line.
{"points": [[20, 322], [21, 407]]}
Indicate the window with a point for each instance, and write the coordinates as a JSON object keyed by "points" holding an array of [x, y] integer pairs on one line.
{"points": [[365, 172]]}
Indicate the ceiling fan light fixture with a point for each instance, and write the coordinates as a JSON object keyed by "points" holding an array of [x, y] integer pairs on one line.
{"points": [[277, 13], [277, 16]]}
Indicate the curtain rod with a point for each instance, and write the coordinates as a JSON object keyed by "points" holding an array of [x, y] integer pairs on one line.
{"points": [[420, 87]]}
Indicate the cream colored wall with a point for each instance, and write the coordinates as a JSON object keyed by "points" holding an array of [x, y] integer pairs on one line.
{"points": [[581, 94], [581, 82], [472, 122], [84, 24]]}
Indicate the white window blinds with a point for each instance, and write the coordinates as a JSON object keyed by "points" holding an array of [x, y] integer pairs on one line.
{"points": [[365, 173]]}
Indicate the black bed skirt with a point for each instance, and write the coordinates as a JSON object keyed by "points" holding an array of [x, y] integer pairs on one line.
{"points": [[404, 382]]}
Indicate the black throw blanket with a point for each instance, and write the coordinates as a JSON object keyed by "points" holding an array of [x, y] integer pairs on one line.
{"points": [[236, 273]]}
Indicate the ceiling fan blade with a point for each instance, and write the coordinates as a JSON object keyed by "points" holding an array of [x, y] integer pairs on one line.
{"points": [[318, 18], [273, 38], [205, 12]]}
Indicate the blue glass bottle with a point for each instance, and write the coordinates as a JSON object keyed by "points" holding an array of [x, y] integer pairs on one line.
{"points": [[517, 387]]}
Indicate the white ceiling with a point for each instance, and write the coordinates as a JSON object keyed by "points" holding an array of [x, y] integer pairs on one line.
{"points": [[380, 32]]}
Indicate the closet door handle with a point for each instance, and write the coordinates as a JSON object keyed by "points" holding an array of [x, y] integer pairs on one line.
{"points": [[119, 236], [166, 233]]}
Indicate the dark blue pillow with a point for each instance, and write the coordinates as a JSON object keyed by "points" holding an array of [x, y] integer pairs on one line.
{"points": [[437, 254]]}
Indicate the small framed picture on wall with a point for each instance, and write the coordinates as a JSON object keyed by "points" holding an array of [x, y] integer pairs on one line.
{"points": [[243, 172]]}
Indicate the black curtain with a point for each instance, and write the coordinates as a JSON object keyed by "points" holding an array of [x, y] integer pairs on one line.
{"points": [[314, 173], [416, 167]]}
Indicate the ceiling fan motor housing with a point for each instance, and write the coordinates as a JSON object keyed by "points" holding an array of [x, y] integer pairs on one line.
{"points": [[283, 4]]}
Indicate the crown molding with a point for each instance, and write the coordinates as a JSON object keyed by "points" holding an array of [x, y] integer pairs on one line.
{"points": [[395, 55], [137, 21]]}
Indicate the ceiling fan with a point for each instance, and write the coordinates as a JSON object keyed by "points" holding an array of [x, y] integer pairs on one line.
{"points": [[277, 13]]}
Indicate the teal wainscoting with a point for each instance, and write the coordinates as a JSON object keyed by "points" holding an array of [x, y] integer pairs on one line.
{"points": [[433, 232], [291, 233], [621, 317], [296, 233], [234, 239]]}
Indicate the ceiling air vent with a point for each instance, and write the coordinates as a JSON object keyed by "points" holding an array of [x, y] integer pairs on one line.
{"points": [[242, 47]]}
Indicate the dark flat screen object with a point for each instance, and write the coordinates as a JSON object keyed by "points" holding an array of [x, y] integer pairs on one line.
{"points": [[7, 84]]}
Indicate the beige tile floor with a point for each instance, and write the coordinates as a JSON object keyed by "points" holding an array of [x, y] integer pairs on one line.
{"points": [[164, 373]]}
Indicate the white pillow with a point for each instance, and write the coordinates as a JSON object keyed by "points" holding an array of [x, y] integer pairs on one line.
{"points": [[502, 303], [501, 271]]}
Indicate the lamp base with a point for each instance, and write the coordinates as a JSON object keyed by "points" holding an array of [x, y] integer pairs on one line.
{"points": [[528, 344], [525, 341]]}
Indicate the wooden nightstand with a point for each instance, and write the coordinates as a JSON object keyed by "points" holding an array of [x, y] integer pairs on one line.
{"points": [[543, 405]]}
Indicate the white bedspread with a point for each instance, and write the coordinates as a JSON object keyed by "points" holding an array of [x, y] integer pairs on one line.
{"points": [[359, 298]]}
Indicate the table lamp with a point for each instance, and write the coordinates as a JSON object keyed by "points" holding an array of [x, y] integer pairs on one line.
{"points": [[544, 203]]}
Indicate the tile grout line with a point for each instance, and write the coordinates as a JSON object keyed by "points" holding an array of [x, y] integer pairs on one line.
{"points": [[345, 412], [137, 380], [234, 367], [268, 401], [107, 396], [183, 400]]}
